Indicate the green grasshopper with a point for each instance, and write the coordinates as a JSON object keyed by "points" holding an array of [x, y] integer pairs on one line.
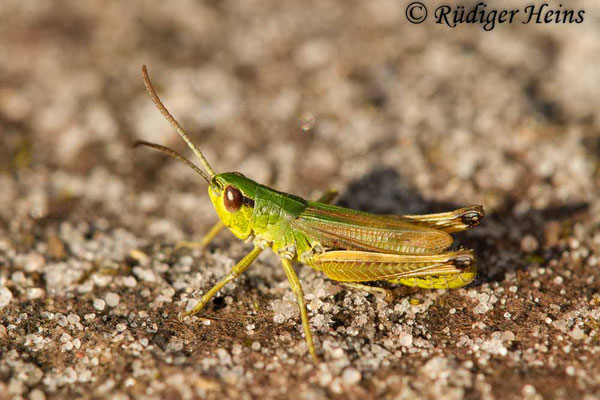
{"points": [[346, 245]]}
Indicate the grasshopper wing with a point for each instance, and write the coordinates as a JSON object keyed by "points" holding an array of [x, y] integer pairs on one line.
{"points": [[342, 228]]}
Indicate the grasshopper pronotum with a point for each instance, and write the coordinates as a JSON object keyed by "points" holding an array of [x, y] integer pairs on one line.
{"points": [[348, 246]]}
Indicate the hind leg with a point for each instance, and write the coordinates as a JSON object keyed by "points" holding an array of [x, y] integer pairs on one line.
{"points": [[450, 222], [389, 295]]}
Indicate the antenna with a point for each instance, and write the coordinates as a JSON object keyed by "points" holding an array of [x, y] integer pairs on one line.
{"points": [[175, 155], [163, 110]]}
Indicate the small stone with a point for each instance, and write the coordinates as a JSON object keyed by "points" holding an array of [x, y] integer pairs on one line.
{"points": [[62, 320], [574, 244], [337, 353], [65, 337], [112, 299], [99, 304], [561, 324], [482, 308], [35, 293], [224, 357], [529, 244], [73, 319], [129, 281], [34, 262], [288, 309], [191, 303], [5, 297], [351, 376], [570, 370], [236, 350], [37, 394], [256, 346], [405, 339], [121, 328], [315, 305], [529, 390], [577, 333], [558, 280]]}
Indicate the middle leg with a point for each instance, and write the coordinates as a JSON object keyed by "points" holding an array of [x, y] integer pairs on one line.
{"points": [[299, 293]]}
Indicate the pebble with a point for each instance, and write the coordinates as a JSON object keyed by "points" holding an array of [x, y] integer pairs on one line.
{"points": [[570, 370], [62, 320], [99, 304], [129, 281], [351, 376], [65, 337], [73, 319], [529, 244], [37, 394], [577, 333], [34, 262], [5, 297], [112, 299], [482, 308], [574, 244], [528, 390], [558, 280], [35, 293], [405, 339], [236, 350], [508, 336], [337, 353]]}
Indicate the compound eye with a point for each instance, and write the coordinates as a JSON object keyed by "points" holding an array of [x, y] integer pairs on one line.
{"points": [[232, 199]]}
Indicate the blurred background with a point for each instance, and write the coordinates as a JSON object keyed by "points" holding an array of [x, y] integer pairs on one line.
{"points": [[303, 96]]}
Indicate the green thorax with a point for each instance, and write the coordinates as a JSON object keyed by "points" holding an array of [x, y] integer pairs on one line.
{"points": [[266, 212]]}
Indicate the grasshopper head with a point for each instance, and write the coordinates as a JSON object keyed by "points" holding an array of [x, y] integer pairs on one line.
{"points": [[232, 195]]}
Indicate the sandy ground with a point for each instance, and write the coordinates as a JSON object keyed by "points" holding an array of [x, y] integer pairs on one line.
{"points": [[305, 96]]}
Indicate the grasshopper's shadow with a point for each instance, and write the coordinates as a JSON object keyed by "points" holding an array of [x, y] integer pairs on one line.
{"points": [[496, 242]]}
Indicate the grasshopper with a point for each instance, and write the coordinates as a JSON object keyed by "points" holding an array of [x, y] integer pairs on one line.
{"points": [[348, 246]]}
